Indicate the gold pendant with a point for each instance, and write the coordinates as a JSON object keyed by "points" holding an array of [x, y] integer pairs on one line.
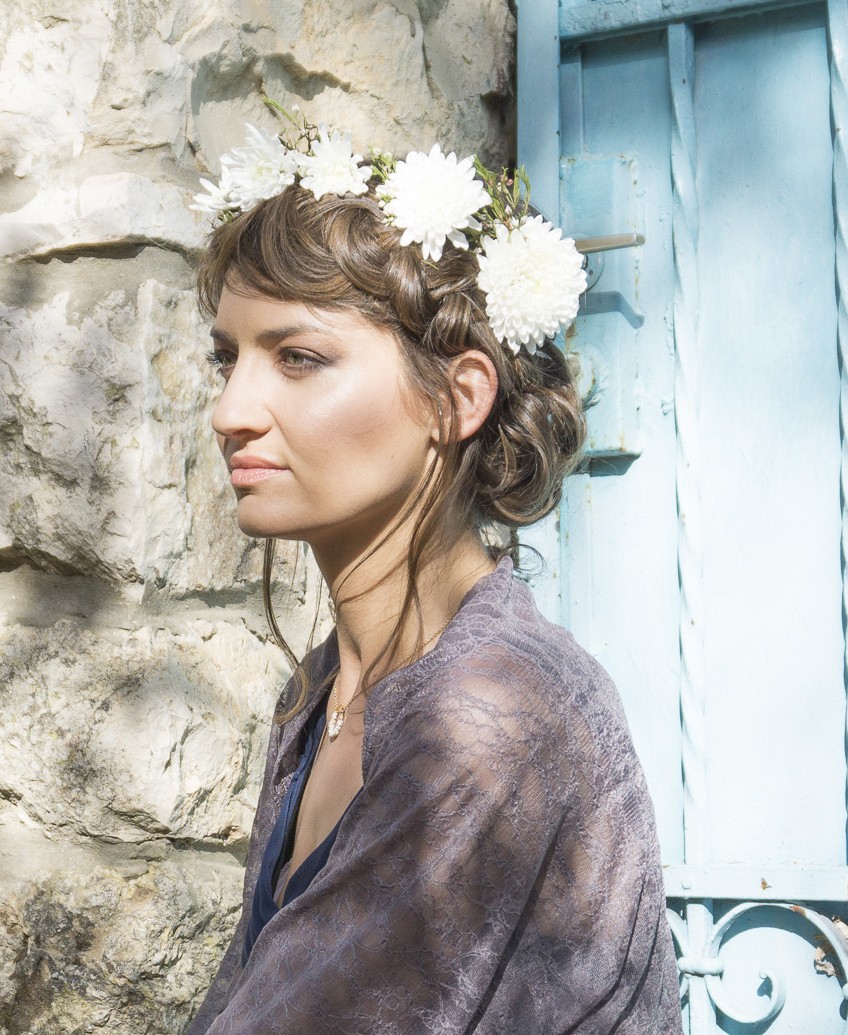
{"points": [[334, 726]]}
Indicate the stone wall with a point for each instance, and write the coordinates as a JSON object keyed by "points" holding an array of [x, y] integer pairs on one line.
{"points": [[136, 677]]}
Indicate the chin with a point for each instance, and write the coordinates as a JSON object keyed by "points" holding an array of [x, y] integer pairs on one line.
{"points": [[263, 530], [258, 525]]}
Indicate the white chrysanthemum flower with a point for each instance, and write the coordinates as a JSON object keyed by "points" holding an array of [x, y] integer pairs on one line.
{"points": [[218, 197], [332, 168], [433, 198], [261, 169], [533, 279]]}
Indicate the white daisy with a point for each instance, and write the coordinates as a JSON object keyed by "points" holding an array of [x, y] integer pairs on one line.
{"points": [[533, 279], [433, 198], [331, 167], [261, 169], [218, 197]]}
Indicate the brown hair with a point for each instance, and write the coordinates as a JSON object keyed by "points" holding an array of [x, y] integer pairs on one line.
{"points": [[339, 253]]}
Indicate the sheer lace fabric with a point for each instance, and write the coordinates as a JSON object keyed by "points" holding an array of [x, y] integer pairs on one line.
{"points": [[498, 872]]}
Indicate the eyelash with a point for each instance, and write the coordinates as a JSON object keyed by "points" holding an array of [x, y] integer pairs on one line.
{"points": [[218, 359], [221, 360]]}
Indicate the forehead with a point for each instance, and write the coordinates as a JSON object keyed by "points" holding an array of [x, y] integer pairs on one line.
{"points": [[247, 311]]}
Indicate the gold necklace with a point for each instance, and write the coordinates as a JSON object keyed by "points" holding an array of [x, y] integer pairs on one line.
{"points": [[334, 726]]}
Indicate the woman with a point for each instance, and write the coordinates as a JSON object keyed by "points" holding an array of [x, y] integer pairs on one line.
{"points": [[454, 834]]}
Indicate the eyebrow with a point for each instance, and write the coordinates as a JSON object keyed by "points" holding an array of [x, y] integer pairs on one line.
{"points": [[273, 336]]}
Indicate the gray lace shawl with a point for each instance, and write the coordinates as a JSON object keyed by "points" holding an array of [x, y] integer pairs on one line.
{"points": [[499, 872]]}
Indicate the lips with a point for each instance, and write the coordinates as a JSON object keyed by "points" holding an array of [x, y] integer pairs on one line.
{"points": [[249, 470]]}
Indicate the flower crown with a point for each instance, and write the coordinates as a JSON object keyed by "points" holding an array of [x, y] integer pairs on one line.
{"points": [[531, 276]]}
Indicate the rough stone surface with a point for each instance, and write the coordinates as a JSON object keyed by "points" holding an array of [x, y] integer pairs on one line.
{"points": [[140, 734], [136, 674], [109, 951]]}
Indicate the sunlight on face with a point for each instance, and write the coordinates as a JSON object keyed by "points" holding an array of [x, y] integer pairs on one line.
{"points": [[315, 420]]}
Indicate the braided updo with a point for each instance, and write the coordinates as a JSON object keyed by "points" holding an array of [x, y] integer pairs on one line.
{"points": [[340, 253]]}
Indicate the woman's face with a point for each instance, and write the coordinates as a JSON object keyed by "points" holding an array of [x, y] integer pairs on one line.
{"points": [[315, 421]]}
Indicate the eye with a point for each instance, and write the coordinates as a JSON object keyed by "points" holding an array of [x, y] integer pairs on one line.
{"points": [[221, 361], [295, 359]]}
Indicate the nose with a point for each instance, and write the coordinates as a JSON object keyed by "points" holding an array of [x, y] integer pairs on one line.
{"points": [[241, 412]]}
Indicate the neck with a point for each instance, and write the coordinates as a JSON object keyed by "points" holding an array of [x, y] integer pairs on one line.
{"points": [[368, 598]]}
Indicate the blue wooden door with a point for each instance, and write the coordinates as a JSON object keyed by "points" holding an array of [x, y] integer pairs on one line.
{"points": [[701, 554]]}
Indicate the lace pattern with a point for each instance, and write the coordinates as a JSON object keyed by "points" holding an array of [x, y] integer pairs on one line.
{"points": [[499, 871]]}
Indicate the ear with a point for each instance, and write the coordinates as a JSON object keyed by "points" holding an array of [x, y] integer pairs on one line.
{"points": [[474, 382]]}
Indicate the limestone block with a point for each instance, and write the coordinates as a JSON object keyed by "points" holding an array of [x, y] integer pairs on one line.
{"points": [[93, 951], [116, 209], [136, 735], [107, 446], [70, 413]]}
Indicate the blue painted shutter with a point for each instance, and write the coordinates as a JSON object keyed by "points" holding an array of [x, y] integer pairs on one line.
{"points": [[701, 555]]}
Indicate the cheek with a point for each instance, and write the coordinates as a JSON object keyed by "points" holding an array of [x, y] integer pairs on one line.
{"points": [[367, 422]]}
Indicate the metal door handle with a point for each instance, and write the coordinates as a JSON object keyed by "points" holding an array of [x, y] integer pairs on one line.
{"points": [[589, 245], [608, 301], [595, 245]]}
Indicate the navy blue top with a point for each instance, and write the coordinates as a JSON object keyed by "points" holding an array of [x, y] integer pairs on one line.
{"points": [[279, 847]]}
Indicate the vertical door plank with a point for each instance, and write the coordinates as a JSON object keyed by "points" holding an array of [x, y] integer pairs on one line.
{"points": [[771, 449], [838, 49], [621, 519]]}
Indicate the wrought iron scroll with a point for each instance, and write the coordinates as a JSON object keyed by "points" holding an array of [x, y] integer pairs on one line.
{"points": [[706, 964], [681, 66], [837, 16]]}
